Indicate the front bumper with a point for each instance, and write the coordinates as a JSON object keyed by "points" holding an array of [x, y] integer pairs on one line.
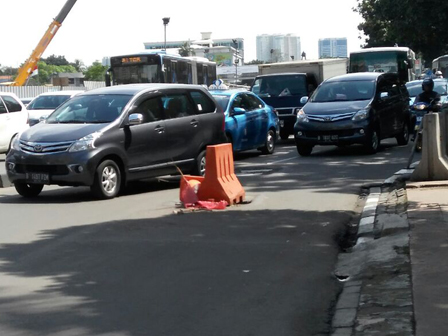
{"points": [[344, 132], [286, 123], [64, 169]]}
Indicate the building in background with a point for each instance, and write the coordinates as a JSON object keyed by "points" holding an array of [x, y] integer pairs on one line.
{"points": [[222, 51], [278, 48], [333, 48]]}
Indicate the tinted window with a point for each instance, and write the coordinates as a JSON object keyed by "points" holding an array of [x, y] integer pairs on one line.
{"points": [[282, 86], [344, 91], [2, 107], [254, 102], [204, 104], [243, 102], [90, 109], [151, 109], [177, 106], [12, 104], [47, 102], [223, 101]]}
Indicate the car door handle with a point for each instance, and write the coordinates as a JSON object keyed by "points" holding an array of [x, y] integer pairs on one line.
{"points": [[194, 123], [159, 129]]}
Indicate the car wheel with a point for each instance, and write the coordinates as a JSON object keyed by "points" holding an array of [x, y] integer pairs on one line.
{"points": [[373, 143], [199, 168], [28, 190], [284, 136], [107, 180], [269, 146], [403, 137], [304, 150]]}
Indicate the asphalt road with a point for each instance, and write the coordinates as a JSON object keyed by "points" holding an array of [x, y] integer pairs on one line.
{"points": [[70, 265]]}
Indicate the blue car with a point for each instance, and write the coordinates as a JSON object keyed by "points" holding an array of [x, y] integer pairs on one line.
{"points": [[250, 123]]}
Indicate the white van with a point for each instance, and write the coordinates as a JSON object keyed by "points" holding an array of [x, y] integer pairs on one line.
{"points": [[13, 119]]}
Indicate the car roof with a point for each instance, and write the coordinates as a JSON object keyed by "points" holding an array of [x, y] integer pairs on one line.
{"points": [[227, 92], [133, 89], [419, 81], [62, 93], [358, 76]]}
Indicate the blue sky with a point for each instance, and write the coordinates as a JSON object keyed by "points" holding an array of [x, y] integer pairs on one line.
{"points": [[98, 28]]}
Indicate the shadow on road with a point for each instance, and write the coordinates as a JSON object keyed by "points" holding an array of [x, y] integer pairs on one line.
{"points": [[221, 273]]}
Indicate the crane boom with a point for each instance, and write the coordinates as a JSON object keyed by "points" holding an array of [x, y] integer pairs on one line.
{"points": [[29, 66]]}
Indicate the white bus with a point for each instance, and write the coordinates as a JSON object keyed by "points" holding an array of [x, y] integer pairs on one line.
{"points": [[441, 64], [389, 59], [160, 67]]}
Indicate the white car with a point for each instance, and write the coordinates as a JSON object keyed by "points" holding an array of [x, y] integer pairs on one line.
{"points": [[13, 119], [44, 104]]}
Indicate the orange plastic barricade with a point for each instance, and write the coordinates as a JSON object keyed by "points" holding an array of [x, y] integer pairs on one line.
{"points": [[220, 182]]}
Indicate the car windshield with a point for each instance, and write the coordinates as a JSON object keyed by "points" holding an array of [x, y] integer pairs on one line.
{"points": [[47, 102], [281, 86], [90, 109], [416, 88], [223, 101], [344, 91]]}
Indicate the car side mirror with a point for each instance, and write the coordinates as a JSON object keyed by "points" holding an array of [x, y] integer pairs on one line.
{"points": [[135, 119], [384, 95], [238, 111], [304, 100]]}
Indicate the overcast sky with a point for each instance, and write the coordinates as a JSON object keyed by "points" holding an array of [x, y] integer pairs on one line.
{"points": [[98, 28]]}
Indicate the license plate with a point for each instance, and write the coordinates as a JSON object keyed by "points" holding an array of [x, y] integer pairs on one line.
{"points": [[38, 178], [282, 123], [328, 138]]}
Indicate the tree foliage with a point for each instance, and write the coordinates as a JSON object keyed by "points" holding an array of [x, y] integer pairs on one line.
{"points": [[186, 50], [47, 71], [95, 72], [254, 62], [55, 60], [421, 25]]}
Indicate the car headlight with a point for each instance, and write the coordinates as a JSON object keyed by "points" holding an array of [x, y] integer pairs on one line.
{"points": [[361, 115], [86, 143], [15, 142], [301, 116]]}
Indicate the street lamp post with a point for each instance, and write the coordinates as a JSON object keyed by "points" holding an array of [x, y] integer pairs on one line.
{"points": [[235, 43], [166, 20]]}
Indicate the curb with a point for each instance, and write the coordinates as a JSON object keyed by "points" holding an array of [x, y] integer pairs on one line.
{"points": [[348, 303], [4, 181]]}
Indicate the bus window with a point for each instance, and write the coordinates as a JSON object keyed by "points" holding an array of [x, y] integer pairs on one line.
{"points": [[211, 74], [182, 72], [189, 73], [174, 72], [167, 74], [205, 75], [200, 73]]}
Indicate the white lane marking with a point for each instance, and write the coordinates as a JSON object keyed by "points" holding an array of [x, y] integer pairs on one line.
{"points": [[274, 162]]}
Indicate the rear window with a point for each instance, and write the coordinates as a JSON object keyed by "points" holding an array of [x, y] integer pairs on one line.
{"points": [[47, 102], [223, 101]]}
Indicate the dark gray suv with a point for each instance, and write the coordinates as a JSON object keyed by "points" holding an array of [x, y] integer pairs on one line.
{"points": [[107, 137]]}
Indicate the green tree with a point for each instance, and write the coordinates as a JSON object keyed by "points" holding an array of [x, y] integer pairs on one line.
{"points": [[418, 24], [186, 50], [47, 71], [254, 62], [55, 60], [95, 72]]}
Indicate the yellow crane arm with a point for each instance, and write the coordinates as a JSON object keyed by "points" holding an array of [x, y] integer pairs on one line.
{"points": [[29, 66]]}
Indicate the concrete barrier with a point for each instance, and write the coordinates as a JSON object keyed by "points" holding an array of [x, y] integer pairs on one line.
{"points": [[434, 163]]}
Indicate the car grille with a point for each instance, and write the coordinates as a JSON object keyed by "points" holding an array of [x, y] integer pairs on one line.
{"points": [[331, 117], [49, 169], [45, 147]]}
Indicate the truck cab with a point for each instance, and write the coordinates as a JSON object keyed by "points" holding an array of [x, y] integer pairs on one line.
{"points": [[284, 91]]}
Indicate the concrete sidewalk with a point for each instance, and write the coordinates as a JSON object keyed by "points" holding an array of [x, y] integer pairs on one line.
{"points": [[428, 219], [4, 182]]}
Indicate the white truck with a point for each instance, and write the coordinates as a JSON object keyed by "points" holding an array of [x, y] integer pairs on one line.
{"points": [[283, 85]]}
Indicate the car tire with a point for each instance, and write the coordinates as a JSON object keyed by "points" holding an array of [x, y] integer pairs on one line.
{"points": [[304, 150], [28, 190], [284, 136], [107, 181], [372, 144], [403, 137], [200, 162], [269, 146]]}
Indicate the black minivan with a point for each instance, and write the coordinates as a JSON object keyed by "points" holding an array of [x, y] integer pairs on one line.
{"points": [[360, 108], [106, 137]]}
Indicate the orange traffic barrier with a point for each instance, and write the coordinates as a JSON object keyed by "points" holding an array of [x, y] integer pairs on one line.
{"points": [[220, 182]]}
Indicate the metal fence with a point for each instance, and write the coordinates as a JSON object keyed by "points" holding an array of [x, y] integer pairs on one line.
{"points": [[33, 91]]}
